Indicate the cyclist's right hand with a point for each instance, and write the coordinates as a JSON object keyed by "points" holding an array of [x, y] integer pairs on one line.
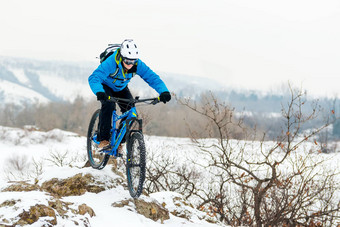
{"points": [[101, 96]]}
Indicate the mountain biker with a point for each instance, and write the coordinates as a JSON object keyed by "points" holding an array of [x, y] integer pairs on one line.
{"points": [[111, 79]]}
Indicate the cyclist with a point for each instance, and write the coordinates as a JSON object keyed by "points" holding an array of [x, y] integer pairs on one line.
{"points": [[111, 79]]}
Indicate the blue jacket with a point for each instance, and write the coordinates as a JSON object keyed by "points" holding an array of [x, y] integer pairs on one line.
{"points": [[111, 73]]}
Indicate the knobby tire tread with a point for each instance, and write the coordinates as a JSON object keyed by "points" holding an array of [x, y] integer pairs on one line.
{"points": [[106, 158], [142, 152]]}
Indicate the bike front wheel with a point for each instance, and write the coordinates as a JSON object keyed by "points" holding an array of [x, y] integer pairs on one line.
{"points": [[97, 160], [135, 167]]}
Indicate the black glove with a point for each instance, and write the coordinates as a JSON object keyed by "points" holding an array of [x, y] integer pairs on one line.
{"points": [[165, 97], [101, 96]]}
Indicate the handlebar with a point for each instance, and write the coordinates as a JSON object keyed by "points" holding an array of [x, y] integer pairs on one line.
{"points": [[154, 101]]}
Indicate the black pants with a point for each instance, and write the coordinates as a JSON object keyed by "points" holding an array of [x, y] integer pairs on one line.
{"points": [[105, 116]]}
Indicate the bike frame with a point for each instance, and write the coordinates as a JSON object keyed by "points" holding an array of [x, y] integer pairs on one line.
{"points": [[118, 134]]}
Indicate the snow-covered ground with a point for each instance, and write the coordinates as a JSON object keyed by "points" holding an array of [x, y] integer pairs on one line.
{"points": [[42, 156], [37, 157]]}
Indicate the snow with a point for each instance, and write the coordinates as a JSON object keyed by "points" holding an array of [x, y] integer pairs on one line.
{"points": [[168, 198], [64, 88], [36, 146], [14, 93], [26, 198], [35, 149], [53, 78], [19, 73]]}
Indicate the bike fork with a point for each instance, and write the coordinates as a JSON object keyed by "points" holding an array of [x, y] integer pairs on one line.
{"points": [[129, 124]]}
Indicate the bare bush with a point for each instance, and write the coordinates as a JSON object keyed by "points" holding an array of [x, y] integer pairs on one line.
{"points": [[279, 185], [37, 169], [16, 167], [19, 162], [58, 159], [165, 173]]}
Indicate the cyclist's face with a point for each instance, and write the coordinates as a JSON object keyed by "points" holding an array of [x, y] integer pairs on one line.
{"points": [[127, 66]]}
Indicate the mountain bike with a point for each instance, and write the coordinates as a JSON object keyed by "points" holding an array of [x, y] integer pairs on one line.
{"points": [[130, 127]]}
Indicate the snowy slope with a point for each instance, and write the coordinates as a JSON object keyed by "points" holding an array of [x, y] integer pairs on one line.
{"points": [[32, 149], [19, 73], [38, 157], [66, 89], [14, 93], [56, 81]]}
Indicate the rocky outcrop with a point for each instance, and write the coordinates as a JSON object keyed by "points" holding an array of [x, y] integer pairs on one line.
{"points": [[152, 210], [21, 187], [56, 188], [9, 203], [73, 186], [149, 209], [36, 212], [61, 207], [49, 213], [50, 210], [181, 208], [84, 209]]}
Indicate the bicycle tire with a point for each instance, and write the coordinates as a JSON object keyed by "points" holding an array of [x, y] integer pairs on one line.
{"points": [[135, 164], [92, 147]]}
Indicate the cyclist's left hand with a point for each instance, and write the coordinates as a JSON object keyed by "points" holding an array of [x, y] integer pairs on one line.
{"points": [[165, 97]]}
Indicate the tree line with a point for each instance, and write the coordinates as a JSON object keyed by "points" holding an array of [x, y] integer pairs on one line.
{"points": [[171, 119]]}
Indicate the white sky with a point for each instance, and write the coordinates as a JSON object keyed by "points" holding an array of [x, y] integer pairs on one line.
{"points": [[240, 43]]}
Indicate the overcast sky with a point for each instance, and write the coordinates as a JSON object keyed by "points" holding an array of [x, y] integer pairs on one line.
{"points": [[240, 43]]}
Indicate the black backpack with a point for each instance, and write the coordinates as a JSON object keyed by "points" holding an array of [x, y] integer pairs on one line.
{"points": [[108, 51]]}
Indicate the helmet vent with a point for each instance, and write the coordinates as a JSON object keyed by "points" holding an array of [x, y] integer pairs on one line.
{"points": [[127, 45]]}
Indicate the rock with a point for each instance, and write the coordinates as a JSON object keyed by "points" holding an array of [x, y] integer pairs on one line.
{"points": [[73, 186], [35, 212], [151, 210], [83, 209], [9, 203], [60, 206], [5, 221], [181, 208], [87, 164], [122, 203], [21, 187]]}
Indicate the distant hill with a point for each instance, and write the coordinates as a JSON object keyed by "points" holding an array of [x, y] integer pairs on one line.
{"points": [[31, 81], [36, 81]]}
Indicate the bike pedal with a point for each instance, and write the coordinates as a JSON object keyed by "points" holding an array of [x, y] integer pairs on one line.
{"points": [[107, 148]]}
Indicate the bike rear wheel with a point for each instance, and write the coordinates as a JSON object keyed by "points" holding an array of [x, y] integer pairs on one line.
{"points": [[97, 160], [135, 166]]}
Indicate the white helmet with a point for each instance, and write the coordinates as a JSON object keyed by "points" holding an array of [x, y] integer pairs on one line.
{"points": [[129, 49]]}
